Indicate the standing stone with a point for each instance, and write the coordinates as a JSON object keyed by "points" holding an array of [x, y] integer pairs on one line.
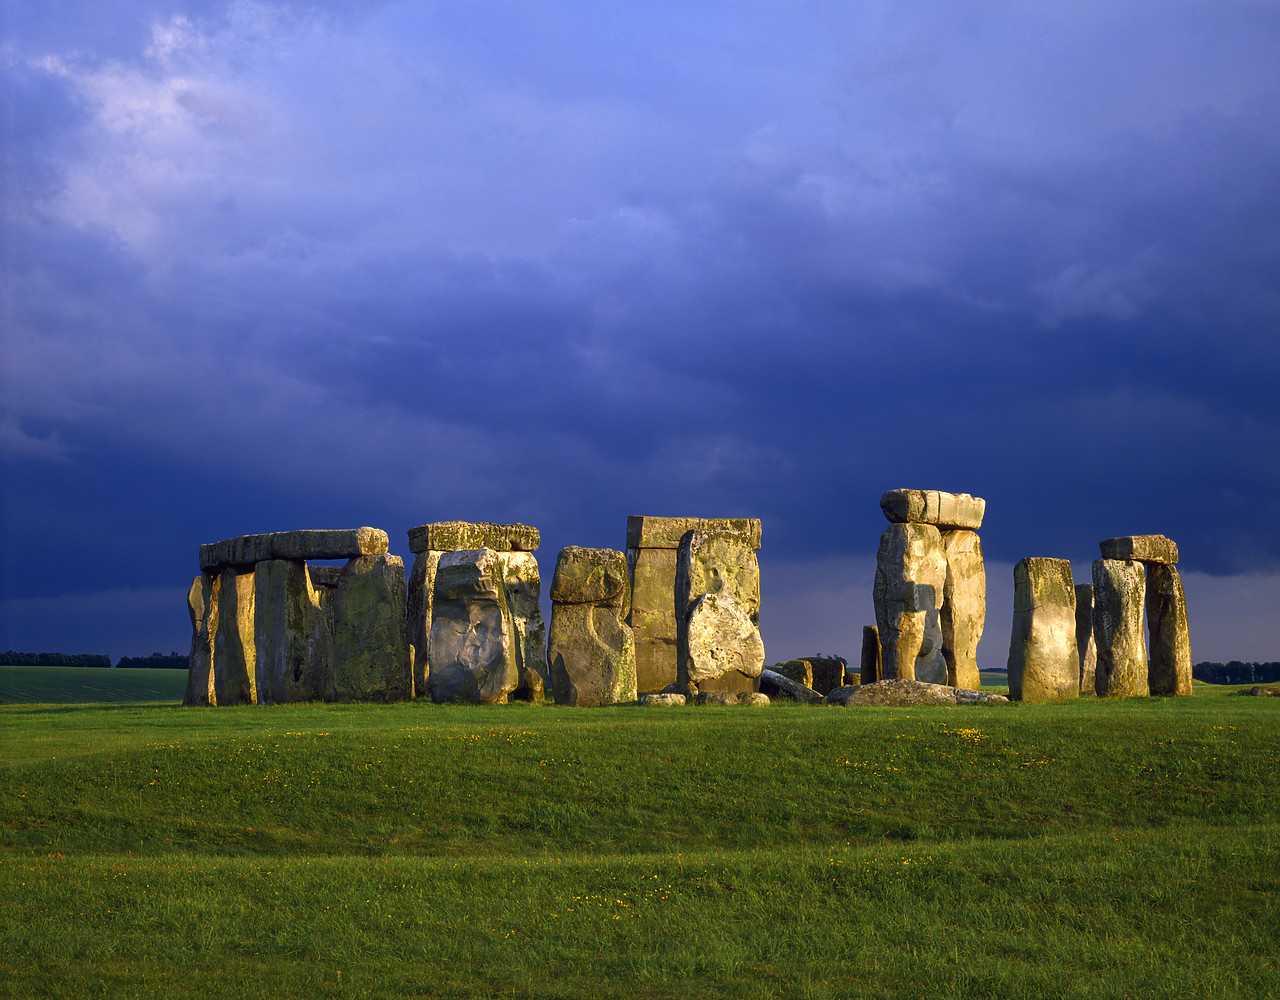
{"points": [[422, 579], [964, 607], [1043, 663], [911, 571], [370, 640], [524, 588], [870, 662], [1118, 595], [711, 561], [1086, 648], [652, 544], [721, 645], [1169, 673], [590, 652], [234, 671], [203, 612], [473, 638], [324, 581], [294, 651]]}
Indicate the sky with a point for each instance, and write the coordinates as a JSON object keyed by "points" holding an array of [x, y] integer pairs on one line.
{"points": [[282, 265]]}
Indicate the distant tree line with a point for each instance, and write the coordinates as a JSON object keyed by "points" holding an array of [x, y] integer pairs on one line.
{"points": [[13, 659], [1236, 672], [174, 661]]}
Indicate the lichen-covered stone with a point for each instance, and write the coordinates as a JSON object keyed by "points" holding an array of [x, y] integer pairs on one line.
{"points": [[652, 619], [473, 638], [422, 578], [370, 640], [903, 692], [911, 571], [524, 590], [716, 562], [964, 607], [591, 576], [1086, 649], [1043, 663], [746, 699], [946, 511], [1119, 592], [657, 699], [645, 532], [447, 536], [820, 673], [1169, 671], [591, 656], [1140, 548], [234, 671], [293, 646], [203, 611], [869, 664], [246, 550], [720, 640]]}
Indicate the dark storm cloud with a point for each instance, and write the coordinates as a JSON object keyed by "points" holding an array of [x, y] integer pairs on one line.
{"points": [[268, 265]]}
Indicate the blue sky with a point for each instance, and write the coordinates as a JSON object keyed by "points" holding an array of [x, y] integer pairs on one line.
{"points": [[293, 265]]}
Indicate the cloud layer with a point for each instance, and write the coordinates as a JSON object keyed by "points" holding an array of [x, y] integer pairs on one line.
{"points": [[273, 265]]}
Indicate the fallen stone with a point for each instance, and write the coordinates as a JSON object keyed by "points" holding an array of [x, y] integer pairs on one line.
{"points": [[800, 671], [1043, 664], [720, 639], [826, 672], [293, 645], [1258, 691], [234, 671], [748, 699], [1169, 667], [370, 631], [775, 685], [870, 662], [946, 511], [446, 536], [1119, 592], [911, 571], [1086, 648], [659, 700], [902, 692], [473, 639], [963, 614], [246, 550], [591, 652], [1140, 548], [201, 609]]}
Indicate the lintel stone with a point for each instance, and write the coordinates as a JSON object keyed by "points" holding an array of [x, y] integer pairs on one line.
{"points": [[447, 536], [1141, 548], [645, 532], [340, 543], [948, 511]]}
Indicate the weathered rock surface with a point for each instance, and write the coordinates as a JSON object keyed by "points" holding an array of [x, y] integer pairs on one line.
{"points": [[1119, 592], [1043, 663], [1086, 648], [203, 611], [234, 671], [293, 645], [591, 652], [1169, 668], [911, 571], [964, 607], [825, 673], [946, 511], [778, 685], [1140, 548], [370, 632], [245, 550], [644, 532], [800, 671], [1258, 691], [473, 638], [906, 692], [657, 699], [421, 584], [870, 662], [720, 640], [446, 536], [652, 544], [524, 589], [747, 699], [324, 581], [716, 562]]}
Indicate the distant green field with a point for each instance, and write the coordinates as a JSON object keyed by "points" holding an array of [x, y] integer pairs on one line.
{"points": [[1091, 850], [80, 685]]}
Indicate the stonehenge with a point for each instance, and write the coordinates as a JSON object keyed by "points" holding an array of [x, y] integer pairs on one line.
{"points": [[675, 619]]}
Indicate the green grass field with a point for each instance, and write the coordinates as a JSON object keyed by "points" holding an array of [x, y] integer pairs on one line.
{"points": [[80, 685], [1087, 850]]}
